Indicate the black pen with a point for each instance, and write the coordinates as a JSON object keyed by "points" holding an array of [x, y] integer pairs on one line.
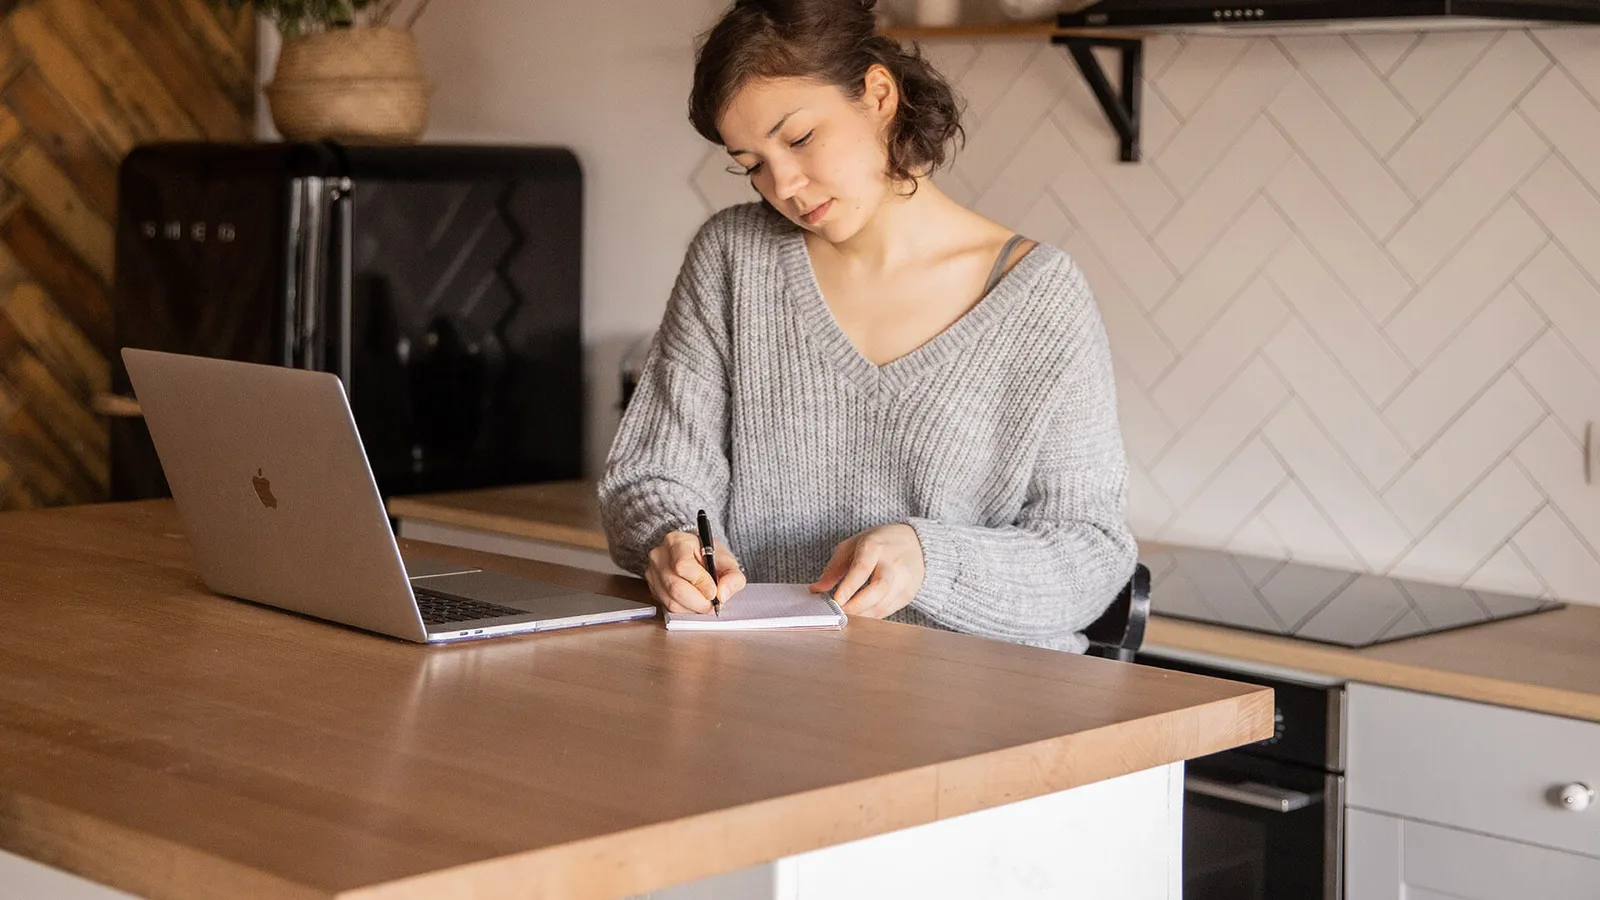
{"points": [[708, 555]]}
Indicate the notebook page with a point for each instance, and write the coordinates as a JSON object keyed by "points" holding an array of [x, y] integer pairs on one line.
{"points": [[766, 606]]}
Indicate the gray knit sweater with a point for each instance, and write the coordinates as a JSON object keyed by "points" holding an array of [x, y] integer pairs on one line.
{"points": [[997, 441]]}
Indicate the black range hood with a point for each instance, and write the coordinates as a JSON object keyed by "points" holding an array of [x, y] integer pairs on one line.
{"points": [[1287, 16]]}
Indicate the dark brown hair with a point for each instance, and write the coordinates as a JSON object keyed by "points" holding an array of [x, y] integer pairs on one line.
{"points": [[832, 42]]}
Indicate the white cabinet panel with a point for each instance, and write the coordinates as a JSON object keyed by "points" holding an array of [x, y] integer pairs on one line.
{"points": [[24, 879], [1389, 858], [1112, 840], [1119, 839], [1372, 856], [1470, 765]]}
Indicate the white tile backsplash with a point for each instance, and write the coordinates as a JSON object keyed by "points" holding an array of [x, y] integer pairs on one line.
{"points": [[1337, 404], [1563, 560], [1236, 414], [1374, 113], [1568, 208], [1436, 64], [1326, 224], [1565, 117], [1353, 510], [1222, 195], [1226, 114], [1118, 237], [1314, 539], [1477, 526], [1506, 572], [1543, 455], [1359, 345], [1569, 299], [1238, 257], [1453, 465], [1244, 483], [1218, 356], [1467, 281], [1194, 72], [1471, 193], [1338, 152], [1466, 365], [1383, 50], [1468, 112], [1562, 380]]}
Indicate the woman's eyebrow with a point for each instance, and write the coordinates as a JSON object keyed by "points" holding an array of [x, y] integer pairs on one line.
{"points": [[770, 132]]}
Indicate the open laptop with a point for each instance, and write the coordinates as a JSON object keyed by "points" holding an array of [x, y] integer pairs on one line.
{"points": [[275, 491]]}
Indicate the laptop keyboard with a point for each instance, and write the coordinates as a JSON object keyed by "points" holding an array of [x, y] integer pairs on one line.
{"points": [[440, 609]]}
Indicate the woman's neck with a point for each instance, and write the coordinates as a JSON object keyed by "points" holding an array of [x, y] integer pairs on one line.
{"points": [[904, 230]]}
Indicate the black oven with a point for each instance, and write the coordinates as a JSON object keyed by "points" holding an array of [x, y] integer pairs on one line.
{"points": [[1266, 821]]}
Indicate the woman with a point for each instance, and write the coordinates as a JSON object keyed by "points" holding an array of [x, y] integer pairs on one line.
{"points": [[870, 388]]}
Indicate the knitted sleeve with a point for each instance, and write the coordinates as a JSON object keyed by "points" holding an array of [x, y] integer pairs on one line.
{"points": [[670, 456]]}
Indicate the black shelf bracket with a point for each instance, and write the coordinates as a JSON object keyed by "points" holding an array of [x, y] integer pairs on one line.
{"points": [[1121, 105]]}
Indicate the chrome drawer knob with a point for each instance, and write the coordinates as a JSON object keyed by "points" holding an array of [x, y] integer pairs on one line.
{"points": [[1576, 796]]}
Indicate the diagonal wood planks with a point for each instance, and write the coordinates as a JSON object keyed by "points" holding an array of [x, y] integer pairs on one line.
{"points": [[81, 83]]}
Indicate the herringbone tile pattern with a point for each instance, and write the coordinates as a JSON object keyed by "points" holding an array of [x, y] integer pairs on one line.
{"points": [[1353, 291]]}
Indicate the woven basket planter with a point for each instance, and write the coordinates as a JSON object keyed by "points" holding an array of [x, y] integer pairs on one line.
{"points": [[355, 85]]}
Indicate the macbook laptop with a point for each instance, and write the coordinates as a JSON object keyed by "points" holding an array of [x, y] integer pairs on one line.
{"points": [[278, 499]]}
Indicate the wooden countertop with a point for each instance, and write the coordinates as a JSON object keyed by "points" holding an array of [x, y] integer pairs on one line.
{"points": [[172, 743], [1546, 662]]}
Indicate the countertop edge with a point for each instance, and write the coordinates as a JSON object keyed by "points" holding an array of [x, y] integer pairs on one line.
{"points": [[626, 863], [130, 860]]}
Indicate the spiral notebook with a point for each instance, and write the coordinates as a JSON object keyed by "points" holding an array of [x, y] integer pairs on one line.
{"points": [[765, 606]]}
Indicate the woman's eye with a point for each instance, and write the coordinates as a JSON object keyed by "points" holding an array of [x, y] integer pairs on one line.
{"points": [[805, 139], [753, 170]]}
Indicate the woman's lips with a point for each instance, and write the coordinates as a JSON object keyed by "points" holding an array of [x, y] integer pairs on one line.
{"points": [[815, 216]]}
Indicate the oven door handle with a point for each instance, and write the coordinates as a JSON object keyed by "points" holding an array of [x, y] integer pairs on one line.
{"points": [[1249, 793]]}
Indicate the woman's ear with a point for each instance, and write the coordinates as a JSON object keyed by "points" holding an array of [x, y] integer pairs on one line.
{"points": [[880, 92]]}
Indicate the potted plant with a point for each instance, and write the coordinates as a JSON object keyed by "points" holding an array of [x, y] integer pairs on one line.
{"points": [[345, 72]]}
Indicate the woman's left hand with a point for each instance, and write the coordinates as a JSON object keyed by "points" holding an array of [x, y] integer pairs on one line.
{"points": [[875, 573]]}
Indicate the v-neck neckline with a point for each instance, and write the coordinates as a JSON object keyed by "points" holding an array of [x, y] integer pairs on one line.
{"points": [[943, 347]]}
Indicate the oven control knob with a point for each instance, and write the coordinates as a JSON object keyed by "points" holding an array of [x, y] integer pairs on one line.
{"points": [[1576, 796]]}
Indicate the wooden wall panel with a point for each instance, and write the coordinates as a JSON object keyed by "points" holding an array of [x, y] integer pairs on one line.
{"points": [[81, 83]]}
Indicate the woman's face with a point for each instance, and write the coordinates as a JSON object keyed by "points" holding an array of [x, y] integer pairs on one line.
{"points": [[815, 155]]}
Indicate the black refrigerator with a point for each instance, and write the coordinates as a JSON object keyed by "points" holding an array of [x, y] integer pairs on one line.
{"points": [[439, 282]]}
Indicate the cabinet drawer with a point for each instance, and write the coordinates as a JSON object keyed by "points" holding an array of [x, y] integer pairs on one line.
{"points": [[1388, 858], [1471, 765]]}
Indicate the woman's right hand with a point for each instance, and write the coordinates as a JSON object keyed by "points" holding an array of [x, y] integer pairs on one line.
{"points": [[681, 584]]}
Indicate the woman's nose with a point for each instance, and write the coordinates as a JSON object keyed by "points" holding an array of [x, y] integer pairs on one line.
{"points": [[787, 180]]}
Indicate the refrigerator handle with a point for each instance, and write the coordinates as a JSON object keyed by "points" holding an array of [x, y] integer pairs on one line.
{"points": [[310, 241], [343, 254], [294, 248]]}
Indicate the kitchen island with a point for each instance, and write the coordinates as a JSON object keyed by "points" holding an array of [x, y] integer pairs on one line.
{"points": [[167, 742]]}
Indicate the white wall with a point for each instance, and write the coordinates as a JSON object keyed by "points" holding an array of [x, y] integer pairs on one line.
{"points": [[1353, 289], [607, 78]]}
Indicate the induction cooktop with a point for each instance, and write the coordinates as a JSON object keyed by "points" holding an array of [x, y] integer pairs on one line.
{"points": [[1301, 600]]}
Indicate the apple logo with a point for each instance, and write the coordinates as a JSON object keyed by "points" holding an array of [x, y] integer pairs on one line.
{"points": [[264, 491]]}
